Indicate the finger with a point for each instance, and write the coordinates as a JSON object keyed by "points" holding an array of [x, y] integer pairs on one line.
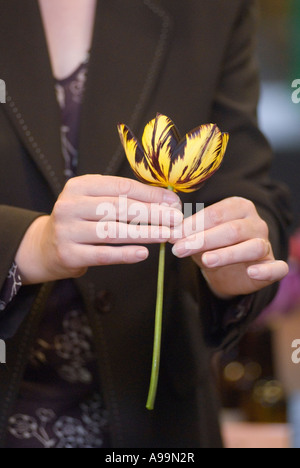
{"points": [[215, 215], [232, 233], [125, 210], [228, 210], [118, 233], [190, 226], [268, 272], [108, 186], [249, 251], [89, 256]]}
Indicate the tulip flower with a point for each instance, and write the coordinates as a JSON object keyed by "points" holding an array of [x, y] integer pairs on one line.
{"points": [[165, 160], [182, 165]]}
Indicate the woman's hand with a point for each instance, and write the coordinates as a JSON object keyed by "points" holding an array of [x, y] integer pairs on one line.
{"points": [[91, 215], [234, 251]]}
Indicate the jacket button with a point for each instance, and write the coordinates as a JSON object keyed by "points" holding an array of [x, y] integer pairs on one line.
{"points": [[103, 302]]}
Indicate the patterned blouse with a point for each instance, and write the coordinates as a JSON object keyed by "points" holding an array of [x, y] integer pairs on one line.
{"points": [[59, 404]]}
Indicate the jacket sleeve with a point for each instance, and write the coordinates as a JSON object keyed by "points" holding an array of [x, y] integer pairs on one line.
{"points": [[13, 226], [11, 287], [245, 172]]}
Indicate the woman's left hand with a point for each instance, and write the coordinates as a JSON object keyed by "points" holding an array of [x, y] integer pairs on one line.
{"points": [[232, 249]]}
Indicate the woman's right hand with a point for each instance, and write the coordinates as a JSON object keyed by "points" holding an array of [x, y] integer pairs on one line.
{"points": [[92, 214]]}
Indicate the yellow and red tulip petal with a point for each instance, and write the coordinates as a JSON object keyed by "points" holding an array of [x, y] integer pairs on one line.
{"points": [[197, 157], [160, 139], [210, 163], [196, 183], [136, 156]]}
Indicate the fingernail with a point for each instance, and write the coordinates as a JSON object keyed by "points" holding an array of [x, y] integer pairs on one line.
{"points": [[179, 250], [142, 254], [177, 205], [253, 273], [171, 198], [211, 260]]}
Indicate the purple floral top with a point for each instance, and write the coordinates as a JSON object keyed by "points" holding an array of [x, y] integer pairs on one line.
{"points": [[11, 287], [59, 404]]}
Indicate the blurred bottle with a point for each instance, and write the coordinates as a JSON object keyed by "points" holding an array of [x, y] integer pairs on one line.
{"points": [[248, 386]]}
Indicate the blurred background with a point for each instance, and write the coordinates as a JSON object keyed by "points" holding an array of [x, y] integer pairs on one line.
{"points": [[258, 381]]}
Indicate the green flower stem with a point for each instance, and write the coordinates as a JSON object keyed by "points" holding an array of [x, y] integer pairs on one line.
{"points": [[158, 328]]}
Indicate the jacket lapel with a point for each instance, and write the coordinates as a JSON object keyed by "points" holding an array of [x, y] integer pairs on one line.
{"points": [[31, 101], [130, 42], [129, 46]]}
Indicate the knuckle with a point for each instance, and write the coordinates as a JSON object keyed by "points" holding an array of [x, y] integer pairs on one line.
{"points": [[78, 273], [124, 186], [70, 184], [103, 256], [235, 232], [76, 184], [125, 256], [57, 234], [229, 257], [197, 242], [121, 210], [216, 216], [264, 228], [106, 230], [261, 247], [61, 208], [154, 193], [57, 231], [247, 205], [64, 255]]}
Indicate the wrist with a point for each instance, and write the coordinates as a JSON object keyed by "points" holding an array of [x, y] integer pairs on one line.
{"points": [[31, 256]]}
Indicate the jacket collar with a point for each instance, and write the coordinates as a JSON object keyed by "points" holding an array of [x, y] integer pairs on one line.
{"points": [[129, 45]]}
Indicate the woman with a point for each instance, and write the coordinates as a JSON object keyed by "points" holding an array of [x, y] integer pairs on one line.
{"points": [[79, 351]]}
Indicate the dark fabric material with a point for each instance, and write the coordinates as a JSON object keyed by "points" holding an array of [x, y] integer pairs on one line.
{"points": [[193, 62], [59, 404]]}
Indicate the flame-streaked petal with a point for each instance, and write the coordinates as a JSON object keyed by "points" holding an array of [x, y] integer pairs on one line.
{"points": [[136, 156], [197, 157], [197, 182], [160, 139], [209, 167]]}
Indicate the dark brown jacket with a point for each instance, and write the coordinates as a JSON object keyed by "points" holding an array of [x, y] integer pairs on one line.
{"points": [[193, 61]]}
